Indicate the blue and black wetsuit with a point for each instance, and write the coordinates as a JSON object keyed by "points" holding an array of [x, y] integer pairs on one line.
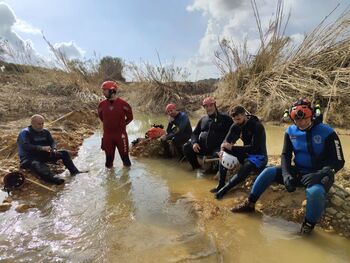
{"points": [[252, 155], [318, 156], [209, 133], [178, 132], [30, 143]]}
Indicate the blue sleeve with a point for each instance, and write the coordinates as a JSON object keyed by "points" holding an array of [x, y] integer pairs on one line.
{"points": [[183, 120], [24, 142]]}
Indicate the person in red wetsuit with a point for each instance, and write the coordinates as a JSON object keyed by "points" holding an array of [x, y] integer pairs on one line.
{"points": [[115, 114]]}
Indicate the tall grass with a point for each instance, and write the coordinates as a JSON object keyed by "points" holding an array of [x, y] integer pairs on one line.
{"points": [[267, 82]]}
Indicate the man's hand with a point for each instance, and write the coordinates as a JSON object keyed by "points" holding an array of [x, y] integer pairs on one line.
{"points": [[289, 183], [46, 148], [163, 137], [226, 145], [196, 148]]}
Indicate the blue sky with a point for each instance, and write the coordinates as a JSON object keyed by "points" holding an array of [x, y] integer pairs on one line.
{"points": [[184, 30]]}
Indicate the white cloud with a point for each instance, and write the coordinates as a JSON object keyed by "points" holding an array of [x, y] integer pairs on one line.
{"points": [[217, 9], [235, 21], [70, 50], [15, 49], [25, 27]]}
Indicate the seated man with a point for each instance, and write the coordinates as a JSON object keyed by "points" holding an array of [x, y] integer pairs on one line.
{"points": [[208, 134], [252, 155], [317, 157], [36, 147], [179, 130]]}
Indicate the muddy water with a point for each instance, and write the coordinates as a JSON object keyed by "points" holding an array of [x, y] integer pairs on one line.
{"points": [[145, 214]]}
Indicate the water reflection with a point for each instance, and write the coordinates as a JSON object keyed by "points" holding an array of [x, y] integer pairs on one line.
{"points": [[145, 214]]}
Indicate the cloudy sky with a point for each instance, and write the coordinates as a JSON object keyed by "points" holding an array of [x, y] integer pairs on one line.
{"points": [[184, 30]]}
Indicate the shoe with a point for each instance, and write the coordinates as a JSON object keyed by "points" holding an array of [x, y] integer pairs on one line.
{"points": [[56, 181], [220, 194], [246, 206], [79, 172], [216, 189], [306, 228]]}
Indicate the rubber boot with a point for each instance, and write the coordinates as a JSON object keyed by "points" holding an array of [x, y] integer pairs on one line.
{"points": [[220, 194], [306, 227]]}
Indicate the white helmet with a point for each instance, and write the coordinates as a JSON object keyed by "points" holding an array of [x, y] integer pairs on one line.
{"points": [[229, 161]]}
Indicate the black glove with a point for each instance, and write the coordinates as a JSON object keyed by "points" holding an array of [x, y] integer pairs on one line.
{"points": [[324, 176], [289, 183]]}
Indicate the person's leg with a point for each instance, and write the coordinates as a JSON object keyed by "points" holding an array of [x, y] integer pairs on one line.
{"points": [[67, 161], [265, 178], [178, 144], [166, 147], [191, 156], [315, 205], [222, 179], [246, 168], [44, 172], [123, 148], [108, 146]]}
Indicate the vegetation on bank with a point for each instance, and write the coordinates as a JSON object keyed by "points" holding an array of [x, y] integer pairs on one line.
{"points": [[265, 83]]}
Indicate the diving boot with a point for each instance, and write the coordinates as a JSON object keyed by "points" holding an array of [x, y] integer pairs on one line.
{"points": [[220, 194], [246, 206], [306, 228], [216, 189]]}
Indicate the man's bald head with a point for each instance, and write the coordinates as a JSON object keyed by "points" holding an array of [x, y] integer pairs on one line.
{"points": [[37, 122]]}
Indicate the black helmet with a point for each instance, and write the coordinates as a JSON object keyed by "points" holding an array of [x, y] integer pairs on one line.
{"points": [[13, 180]]}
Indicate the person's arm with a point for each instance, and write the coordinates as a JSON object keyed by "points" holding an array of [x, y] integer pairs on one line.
{"points": [[99, 110], [286, 156], [51, 141], [183, 120], [334, 151], [334, 162], [257, 139], [286, 164], [233, 134], [128, 113], [24, 141], [196, 132]]}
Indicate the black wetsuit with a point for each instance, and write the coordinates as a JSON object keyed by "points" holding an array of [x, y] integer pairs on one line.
{"points": [[209, 134], [252, 155]]}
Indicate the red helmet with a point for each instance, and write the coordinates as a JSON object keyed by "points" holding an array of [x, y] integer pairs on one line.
{"points": [[109, 85], [208, 100], [301, 109], [170, 106]]}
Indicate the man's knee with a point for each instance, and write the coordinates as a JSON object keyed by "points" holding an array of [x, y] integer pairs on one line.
{"points": [[315, 192], [188, 148], [40, 168], [268, 172]]}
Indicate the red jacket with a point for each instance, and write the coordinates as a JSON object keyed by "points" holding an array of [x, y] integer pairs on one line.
{"points": [[115, 115]]}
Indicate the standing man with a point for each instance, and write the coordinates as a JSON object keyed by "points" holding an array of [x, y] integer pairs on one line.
{"points": [[318, 156], [115, 114], [178, 132], [252, 155], [36, 147], [209, 133]]}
